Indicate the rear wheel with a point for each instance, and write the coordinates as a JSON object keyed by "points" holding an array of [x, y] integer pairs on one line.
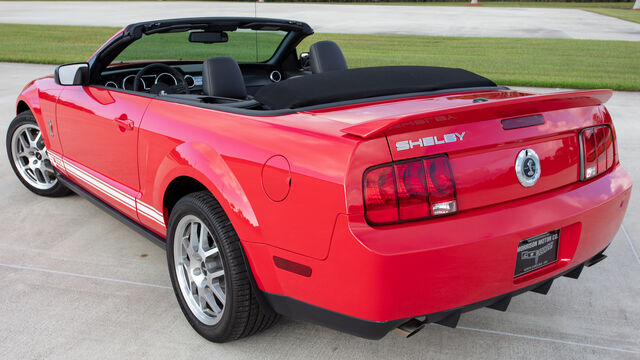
{"points": [[29, 159], [209, 274]]}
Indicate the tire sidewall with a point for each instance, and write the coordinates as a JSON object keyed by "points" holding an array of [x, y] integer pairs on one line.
{"points": [[220, 331]]}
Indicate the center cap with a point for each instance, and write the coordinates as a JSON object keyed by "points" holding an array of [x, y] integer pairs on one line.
{"points": [[527, 167]]}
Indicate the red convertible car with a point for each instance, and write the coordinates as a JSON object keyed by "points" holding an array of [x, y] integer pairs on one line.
{"points": [[281, 182]]}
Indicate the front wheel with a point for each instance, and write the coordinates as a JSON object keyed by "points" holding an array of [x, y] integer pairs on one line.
{"points": [[29, 159], [209, 274]]}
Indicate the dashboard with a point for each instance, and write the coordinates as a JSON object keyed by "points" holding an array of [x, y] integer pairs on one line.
{"points": [[122, 76], [149, 80]]}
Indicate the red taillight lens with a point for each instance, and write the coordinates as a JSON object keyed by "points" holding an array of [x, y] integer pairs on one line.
{"points": [[412, 190], [380, 195], [597, 151], [608, 145], [442, 194], [409, 190], [601, 153]]}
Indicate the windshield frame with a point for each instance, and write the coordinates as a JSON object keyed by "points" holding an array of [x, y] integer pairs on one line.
{"points": [[297, 31]]}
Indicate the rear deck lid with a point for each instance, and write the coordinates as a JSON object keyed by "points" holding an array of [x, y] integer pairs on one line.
{"points": [[484, 138]]}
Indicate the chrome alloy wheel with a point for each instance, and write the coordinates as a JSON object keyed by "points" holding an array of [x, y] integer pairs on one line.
{"points": [[199, 270], [30, 157]]}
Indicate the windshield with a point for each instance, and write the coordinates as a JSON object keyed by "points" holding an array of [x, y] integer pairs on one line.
{"points": [[243, 46]]}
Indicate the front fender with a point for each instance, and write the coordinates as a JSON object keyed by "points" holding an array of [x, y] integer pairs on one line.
{"points": [[40, 96]]}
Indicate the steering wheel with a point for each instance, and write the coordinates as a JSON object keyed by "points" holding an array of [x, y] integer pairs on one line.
{"points": [[180, 88]]}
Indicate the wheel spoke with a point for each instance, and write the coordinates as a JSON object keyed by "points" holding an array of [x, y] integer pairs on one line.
{"points": [[219, 294], [30, 137], [210, 252], [23, 142], [193, 237], [46, 166], [203, 237], [187, 276], [208, 297], [215, 274], [36, 140], [45, 174]]}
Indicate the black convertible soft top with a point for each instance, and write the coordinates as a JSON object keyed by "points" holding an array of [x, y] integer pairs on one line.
{"points": [[364, 83]]}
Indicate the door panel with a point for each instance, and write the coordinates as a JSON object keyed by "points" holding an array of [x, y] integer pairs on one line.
{"points": [[98, 129]]}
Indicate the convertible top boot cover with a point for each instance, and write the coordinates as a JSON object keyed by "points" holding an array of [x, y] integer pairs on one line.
{"points": [[325, 56], [365, 83], [221, 77]]}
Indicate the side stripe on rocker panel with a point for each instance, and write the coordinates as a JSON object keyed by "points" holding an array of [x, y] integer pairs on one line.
{"points": [[112, 192]]}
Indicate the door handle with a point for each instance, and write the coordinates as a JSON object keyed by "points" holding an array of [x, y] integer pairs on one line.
{"points": [[124, 122]]}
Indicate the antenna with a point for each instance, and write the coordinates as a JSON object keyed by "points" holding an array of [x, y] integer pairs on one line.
{"points": [[255, 15]]}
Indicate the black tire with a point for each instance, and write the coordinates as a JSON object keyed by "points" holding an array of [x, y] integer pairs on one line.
{"points": [[25, 118], [243, 315]]}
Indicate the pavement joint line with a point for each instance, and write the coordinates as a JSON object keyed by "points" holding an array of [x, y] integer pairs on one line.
{"points": [[633, 248], [495, 332], [22, 267]]}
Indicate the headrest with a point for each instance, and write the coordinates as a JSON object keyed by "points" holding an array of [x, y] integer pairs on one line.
{"points": [[325, 56], [221, 76]]}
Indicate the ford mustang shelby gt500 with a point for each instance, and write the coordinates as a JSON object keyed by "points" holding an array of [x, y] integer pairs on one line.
{"points": [[283, 182]]}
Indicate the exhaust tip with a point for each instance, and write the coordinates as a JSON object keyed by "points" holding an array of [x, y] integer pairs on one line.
{"points": [[410, 328], [596, 259]]}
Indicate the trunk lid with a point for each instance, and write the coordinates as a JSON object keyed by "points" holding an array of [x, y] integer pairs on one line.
{"points": [[481, 151]]}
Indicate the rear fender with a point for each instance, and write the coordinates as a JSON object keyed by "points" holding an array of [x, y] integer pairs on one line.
{"points": [[202, 163]]}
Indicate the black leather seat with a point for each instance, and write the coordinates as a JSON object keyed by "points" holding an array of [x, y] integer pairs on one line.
{"points": [[221, 77], [325, 56]]}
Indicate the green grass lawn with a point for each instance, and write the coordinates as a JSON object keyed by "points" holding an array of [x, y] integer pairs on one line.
{"points": [[527, 62]]}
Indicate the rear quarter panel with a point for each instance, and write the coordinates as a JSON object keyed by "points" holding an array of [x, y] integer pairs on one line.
{"points": [[226, 152]]}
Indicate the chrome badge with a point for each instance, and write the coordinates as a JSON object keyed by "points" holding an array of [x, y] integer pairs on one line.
{"points": [[528, 167]]}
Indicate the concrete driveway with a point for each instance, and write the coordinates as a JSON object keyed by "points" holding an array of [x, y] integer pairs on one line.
{"points": [[78, 284], [370, 19]]}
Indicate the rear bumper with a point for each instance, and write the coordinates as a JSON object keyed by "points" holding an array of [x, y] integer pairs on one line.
{"points": [[374, 330], [377, 277]]}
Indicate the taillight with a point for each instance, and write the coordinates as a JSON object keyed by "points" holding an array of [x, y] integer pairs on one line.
{"points": [[442, 195], [596, 151], [409, 190], [380, 192], [411, 183]]}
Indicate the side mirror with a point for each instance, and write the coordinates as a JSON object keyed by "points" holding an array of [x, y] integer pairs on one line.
{"points": [[304, 61], [72, 74]]}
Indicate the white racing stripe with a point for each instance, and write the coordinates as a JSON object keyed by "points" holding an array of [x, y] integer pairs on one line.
{"points": [[150, 212], [55, 159], [112, 192], [105, 189], [128, 199]]}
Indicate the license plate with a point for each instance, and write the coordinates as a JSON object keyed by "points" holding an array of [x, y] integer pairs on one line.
{"points": [[536, 252]]}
